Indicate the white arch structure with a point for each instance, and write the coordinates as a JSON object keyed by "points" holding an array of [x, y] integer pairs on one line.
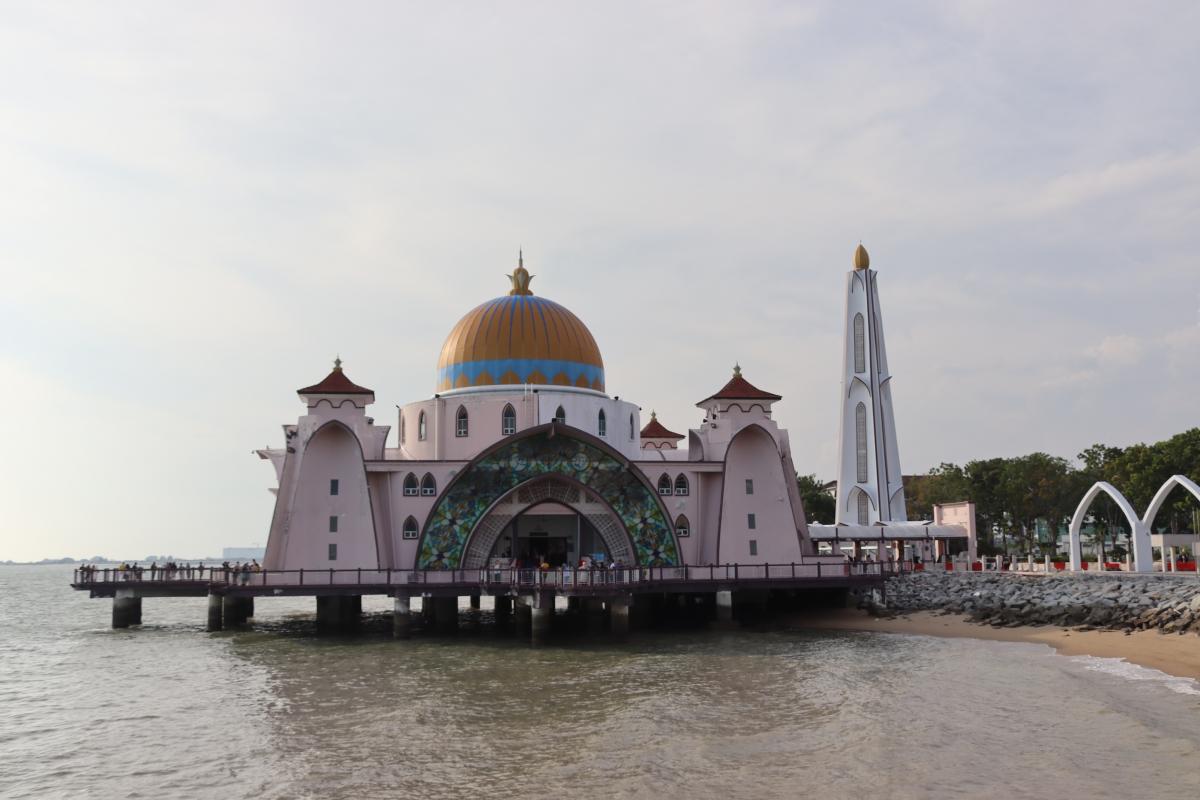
{"points": [[1143, 557]]}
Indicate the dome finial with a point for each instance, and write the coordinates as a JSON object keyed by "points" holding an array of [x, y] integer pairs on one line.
{"points": [[737, 370], [861, 259], [520, 277], [337, 363]]}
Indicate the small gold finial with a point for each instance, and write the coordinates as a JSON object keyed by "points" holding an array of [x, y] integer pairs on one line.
{"points": [[737, 370], [861, 259], [337, 363], [653, 415], [520, 277]]}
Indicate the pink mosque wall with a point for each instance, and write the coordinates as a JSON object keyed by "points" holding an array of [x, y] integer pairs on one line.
{"points": [[331, 453], [753, 455]]}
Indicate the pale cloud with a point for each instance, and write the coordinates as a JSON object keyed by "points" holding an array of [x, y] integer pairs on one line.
{"points": [[203, 205]]}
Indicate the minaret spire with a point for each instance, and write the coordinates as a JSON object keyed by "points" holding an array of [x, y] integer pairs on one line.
{"points": [[870, 484]]}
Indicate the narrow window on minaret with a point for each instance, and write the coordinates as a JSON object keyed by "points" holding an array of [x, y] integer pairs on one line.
{"points": [[860, 440], [333, 524], [864, 509], [333, 486], [860, 344]]}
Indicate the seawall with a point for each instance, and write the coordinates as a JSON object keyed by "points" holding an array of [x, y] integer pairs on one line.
{"points": [[1113, 602]]}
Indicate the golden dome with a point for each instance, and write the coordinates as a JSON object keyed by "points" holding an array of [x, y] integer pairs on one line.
{"points": [[518, 339], [861, 259]]}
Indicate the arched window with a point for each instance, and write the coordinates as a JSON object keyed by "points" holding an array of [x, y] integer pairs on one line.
{"points": [[860, 344], [421, 427], [681, 484], [560, 416], [860, 440], [461, 423], [632, 428], [682, 528], [428, 486], [864, 508], [602, 423], [411, 531], [508, 421], [664, 485], [411, 489]]}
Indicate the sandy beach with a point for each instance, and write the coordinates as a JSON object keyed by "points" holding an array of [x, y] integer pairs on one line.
{"points": [[1173, 654]]}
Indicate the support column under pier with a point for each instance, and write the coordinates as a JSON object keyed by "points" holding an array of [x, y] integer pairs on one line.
{"points": [[618, 616], [594, 612], [503, 611], [474, 614], [126, 609], [523, 612], [541, 617], [724, 602], [214, 612], [236, 610], [401, 617], [445, 613], [338, 612]]}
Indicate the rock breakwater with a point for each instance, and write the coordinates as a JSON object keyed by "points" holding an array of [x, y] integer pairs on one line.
{"points": [[1111, 601]]}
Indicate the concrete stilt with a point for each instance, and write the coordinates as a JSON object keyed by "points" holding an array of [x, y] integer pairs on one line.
{"points": [[214, 612], [235, 611], [401, 618], [594, 612], [724, 608], [523, 612], [618, 616], [445, 614], [541, 617], [126, 609], [473, 612], [329, 612], [504, 610]]}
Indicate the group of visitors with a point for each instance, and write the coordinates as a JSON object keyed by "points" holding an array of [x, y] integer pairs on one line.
{"points": [[240, 571]]}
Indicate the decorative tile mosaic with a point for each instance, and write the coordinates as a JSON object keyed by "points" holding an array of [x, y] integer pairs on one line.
{"points": [[466, 500]]}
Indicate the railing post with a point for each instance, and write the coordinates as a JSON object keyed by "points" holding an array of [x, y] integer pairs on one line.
{"points": [[389, 576], [818, 569], [794, 569], [301, 576], [331, 576], [360, 576], [735, 571]]}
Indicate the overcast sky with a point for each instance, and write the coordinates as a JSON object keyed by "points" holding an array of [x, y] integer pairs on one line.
{"points": [[204, 203]]}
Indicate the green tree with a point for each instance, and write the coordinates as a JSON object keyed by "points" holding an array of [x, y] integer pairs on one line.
{"points": [[819, 505]]}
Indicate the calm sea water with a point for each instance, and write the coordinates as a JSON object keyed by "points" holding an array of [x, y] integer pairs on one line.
{"points": [[170, 711]]}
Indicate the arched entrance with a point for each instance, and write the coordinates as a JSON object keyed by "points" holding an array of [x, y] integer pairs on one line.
{"points": [[552, 517], [547, 450], [1143, 559]]}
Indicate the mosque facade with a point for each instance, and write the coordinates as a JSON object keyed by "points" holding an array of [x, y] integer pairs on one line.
{"points": [[522, 454]]}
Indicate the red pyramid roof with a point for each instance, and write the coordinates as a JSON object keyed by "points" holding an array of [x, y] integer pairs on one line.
{"points": [[655, 430], [739, 388], [335, 382]]}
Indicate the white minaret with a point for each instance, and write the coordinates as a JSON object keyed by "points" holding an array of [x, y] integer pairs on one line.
{"points": [[870, 487]]}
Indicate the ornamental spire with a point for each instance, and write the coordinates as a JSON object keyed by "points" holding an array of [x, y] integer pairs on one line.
{"points": [[520, 277]]}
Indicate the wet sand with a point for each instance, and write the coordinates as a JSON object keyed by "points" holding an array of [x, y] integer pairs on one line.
{"points": [[1171, 653]]}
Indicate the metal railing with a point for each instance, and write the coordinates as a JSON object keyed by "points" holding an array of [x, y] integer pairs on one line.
{"points": [[565, 578]]}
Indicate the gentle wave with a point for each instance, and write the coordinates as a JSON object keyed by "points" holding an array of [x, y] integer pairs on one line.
{"points": [[1136, 672]]}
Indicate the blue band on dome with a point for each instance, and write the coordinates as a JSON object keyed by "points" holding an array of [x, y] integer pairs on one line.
{"points": [[522, 368]]}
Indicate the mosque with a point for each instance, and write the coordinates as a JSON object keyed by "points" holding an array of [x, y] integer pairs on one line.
{"points": [[522, 454]]}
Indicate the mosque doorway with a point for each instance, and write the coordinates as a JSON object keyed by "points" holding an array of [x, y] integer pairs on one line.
{"points": [[550, 520]]}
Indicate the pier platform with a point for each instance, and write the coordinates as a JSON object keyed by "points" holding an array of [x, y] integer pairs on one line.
{"points": [[232, 592]]}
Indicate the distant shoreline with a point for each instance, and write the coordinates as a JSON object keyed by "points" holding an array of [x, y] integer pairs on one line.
{"points": [[1174, 654]]}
